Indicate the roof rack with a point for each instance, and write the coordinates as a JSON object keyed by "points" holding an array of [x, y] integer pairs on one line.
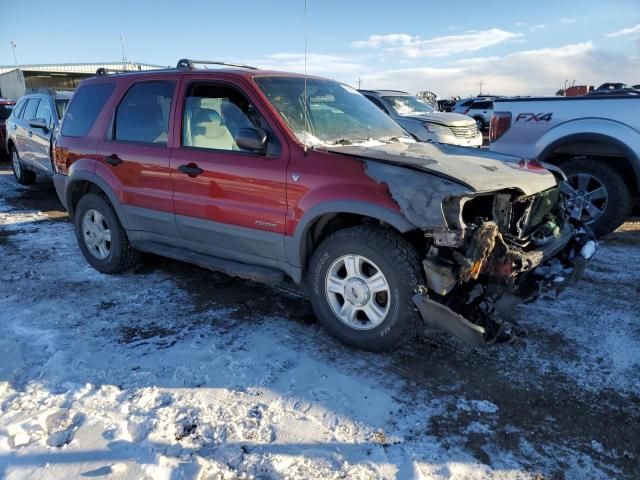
{"points": [[105, 71], [191, 64]]}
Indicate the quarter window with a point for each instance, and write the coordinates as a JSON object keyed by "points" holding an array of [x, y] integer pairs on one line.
{"points": [[143, 113], [84, 109]]}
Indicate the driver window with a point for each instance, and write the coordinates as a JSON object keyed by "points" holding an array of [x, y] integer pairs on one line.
{"points": [[213, 115], [44, 112]]}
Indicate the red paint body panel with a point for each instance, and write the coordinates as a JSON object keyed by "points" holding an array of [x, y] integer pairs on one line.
{"points": [[236, 188]]}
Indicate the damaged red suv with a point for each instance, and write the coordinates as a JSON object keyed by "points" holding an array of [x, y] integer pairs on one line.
{"points": [[267, 175]]}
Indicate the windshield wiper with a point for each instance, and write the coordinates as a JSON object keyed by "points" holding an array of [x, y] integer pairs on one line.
{"points": [[392, 138], [349, 141]]}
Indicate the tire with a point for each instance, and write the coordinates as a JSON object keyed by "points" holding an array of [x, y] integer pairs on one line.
{"points": [[394, 257], [618, 205], [22, 175], [480, 123], [117, 255]]}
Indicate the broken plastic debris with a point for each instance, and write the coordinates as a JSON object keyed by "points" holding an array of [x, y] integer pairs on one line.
{"points": [[588, 249]]}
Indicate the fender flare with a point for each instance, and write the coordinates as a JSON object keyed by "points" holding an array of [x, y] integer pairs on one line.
{"points": [[86, 176], [632, 156], [295, 246]]}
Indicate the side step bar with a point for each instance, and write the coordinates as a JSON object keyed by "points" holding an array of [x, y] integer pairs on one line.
{"points": [[256, 273]]}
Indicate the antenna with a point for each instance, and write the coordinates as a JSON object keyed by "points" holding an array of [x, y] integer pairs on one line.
{"points": [[15, 58], [124, 57], [305, 105]]}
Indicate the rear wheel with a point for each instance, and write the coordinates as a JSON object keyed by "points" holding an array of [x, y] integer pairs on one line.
{"points": [[362, 280], [599, 194], [102, 239], [23, 176]]}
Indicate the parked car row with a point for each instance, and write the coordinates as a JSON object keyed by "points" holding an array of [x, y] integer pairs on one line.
{"points": [[264, 174], [30, 131], [6, 107]]}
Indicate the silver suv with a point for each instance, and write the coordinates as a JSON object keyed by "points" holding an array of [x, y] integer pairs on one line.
{"points": [[423, 121], [481, 111], [30, 132]]}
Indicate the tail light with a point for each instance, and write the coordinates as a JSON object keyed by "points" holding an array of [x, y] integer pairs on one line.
{"points": [[500, 123]]}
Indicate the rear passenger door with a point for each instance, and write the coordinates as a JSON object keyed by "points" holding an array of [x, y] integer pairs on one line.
{"points": [[41, 137], [233, 203], [135, 156], [23, 133]]}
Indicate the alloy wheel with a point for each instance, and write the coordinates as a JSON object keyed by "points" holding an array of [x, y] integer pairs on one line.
{"points": [[96, 234], [15, 161], [358, 292], [588, 197]]}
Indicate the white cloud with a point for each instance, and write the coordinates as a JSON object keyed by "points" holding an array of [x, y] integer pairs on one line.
{"points": [[415, 47], [539, 26], [568, 20], [625, 31], [528, 72]]}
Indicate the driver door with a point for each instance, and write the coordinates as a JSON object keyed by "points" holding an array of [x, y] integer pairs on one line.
{"points": [[228, 202]]}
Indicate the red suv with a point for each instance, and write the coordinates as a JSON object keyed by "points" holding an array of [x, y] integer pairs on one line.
{"points": [[265, 174]]}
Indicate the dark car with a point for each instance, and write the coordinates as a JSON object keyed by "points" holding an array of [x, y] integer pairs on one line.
{"points": [[6, 107], [265, 174], [30, 130]]}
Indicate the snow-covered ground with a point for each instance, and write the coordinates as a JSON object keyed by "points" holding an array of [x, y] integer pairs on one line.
{"points": [[172, 372]]}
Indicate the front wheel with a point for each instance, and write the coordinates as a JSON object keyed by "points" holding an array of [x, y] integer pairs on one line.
{"points": [[599, 195], [362, 281], [480, 123], [22, 175]]}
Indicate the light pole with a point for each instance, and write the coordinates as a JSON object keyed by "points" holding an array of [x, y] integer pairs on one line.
{"points": [[15, 57]]}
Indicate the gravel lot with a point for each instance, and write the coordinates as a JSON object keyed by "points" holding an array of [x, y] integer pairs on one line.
{"points": [[172, 371]]}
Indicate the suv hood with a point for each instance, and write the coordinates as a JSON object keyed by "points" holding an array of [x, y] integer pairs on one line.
{"points": [[482, 171], [445, 118]]}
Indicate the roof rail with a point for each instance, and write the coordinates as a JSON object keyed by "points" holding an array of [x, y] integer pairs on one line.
{"points": [[105, 71], [191, 64]]}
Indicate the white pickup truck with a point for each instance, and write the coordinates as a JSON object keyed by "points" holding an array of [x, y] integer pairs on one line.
{"points": [[595, 140]]}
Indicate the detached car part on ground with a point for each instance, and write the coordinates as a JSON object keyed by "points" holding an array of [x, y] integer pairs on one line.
{"points": [[273, 174]]}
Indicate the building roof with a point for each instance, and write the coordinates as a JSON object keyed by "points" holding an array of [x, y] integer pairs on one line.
{"points": [[81, 67]]}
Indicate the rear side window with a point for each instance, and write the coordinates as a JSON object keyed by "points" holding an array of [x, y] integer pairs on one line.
{"points": [[377, 103], [5, 111], [17, 112], [30, 109], [84, 109], [143, 113], [482, 105]]}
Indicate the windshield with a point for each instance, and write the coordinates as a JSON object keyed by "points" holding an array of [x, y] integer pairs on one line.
{"points": [[61, 106], [5, 111], [407, 106], [337, 114]]}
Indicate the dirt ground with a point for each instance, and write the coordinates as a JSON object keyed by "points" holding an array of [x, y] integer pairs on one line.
{"points": [[564, 402]]}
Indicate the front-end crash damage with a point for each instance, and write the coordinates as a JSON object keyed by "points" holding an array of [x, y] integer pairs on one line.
{"points": [[486, 251]]}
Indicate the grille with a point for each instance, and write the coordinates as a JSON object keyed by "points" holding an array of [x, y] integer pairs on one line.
{"points": [[466, 131], [543, 204]]}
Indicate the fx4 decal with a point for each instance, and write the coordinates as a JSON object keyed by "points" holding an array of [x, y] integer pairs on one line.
{"points": [[533, 117]]}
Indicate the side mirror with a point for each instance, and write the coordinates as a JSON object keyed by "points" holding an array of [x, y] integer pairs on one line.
{"points": [[252, 139], [39, 123]]}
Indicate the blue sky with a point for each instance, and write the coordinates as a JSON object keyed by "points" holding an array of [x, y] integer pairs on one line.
{"points": [[449, 47]]}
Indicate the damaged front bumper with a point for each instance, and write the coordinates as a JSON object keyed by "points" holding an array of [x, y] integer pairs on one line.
{"points": [[474, 297]]}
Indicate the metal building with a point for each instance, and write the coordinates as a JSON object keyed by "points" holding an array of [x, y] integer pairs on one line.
{"points": [[16, 81]]}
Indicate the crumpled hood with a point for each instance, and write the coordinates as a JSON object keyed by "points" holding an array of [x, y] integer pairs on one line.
{"points": [[481, 170], [445, 118]]}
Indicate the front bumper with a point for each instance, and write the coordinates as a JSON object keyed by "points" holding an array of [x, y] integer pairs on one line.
{"points": [[553, 268]]}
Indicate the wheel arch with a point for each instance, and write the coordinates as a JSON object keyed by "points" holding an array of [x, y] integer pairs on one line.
{"points": [[582, 144], [84, 182], [324, 219]]}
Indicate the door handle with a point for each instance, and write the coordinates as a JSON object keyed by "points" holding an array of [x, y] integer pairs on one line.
{"points": [[113, 159], [191, 169]]}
